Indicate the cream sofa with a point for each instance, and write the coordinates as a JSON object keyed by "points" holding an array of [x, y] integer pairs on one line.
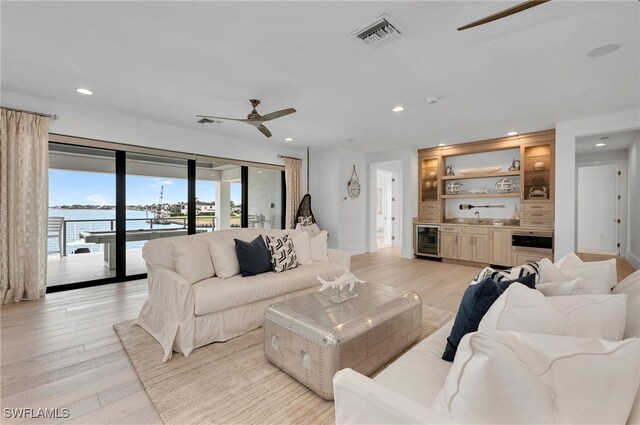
{"points": [[403, 393], [182, 316]]}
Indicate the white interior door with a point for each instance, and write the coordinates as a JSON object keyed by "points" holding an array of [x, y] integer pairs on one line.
{"points": [[598, 209]]}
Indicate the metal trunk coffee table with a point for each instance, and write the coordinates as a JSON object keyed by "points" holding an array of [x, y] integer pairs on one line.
{"points": [[311, 337]]}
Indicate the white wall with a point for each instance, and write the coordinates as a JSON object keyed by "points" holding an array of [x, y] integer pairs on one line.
{"points": [[409, 192], [633, 249], [345, 218], [136, 130], [565, 202]]}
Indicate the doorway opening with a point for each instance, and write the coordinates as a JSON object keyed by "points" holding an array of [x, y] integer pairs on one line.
{"points": [[602, 193], [387, 206]]}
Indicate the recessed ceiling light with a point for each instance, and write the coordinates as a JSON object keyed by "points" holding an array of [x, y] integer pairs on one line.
{"points": [[603, 50], [432, 100], [288, 139], [398, 109], [84, 91], [512, 133], [600, 144], [442, 144]]}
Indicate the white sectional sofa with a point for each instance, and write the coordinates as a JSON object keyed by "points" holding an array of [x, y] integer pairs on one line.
{"points": [[183, 316], [404, 392]]}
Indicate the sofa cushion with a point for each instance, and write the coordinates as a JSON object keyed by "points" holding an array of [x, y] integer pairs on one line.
{"points": [[283, 256], [253, 257], [192, 260], [513, 377], [215, 294], [224, 257], [596, 276], [420, 373], [522, 310]]}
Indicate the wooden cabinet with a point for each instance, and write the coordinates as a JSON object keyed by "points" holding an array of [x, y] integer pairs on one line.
{"points": [[500, 247], [449, 244], [473, 244]]}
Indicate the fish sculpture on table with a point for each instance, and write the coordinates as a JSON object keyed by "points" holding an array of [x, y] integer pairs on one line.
{"points": [[338, 282], [476, 191]]}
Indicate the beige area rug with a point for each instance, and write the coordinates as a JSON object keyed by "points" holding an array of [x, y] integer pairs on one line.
{"points": [[230, 382]]}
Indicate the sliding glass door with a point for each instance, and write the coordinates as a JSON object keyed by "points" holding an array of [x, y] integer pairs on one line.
{"points": [[156, 189], [82, 199], [105, 203], [218, 195], [265, 198]]}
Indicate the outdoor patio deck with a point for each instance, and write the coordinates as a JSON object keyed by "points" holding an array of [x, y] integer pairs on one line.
{"points": [[83, 267]]}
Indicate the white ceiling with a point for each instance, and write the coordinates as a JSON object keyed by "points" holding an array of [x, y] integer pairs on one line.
{"points": [[613, 141], [167, 61]]}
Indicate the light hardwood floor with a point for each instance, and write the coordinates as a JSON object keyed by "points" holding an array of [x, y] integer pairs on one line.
{"points": [[62, 352]]}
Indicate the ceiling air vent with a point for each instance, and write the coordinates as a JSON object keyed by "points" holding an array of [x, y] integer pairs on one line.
{"points": [[379, 32]]}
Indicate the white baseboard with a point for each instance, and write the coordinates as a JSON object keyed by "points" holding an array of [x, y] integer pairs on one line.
{"points": [[633, 259], [356, 249]]}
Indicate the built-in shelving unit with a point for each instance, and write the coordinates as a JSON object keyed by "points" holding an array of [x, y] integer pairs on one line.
{"points": [[481, 176], [483, 195], [526, 160]]}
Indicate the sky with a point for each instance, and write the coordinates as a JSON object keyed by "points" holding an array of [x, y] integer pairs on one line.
{"points": [[76, 187]]}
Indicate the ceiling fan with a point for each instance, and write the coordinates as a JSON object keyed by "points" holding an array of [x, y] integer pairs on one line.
{"points": [[254, 118], [503, 14]]}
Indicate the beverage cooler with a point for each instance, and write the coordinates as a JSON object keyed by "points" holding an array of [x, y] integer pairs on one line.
{"points": [[428, 240]]}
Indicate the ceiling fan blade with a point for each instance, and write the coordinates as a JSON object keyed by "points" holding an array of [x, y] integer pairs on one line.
{"points": [[503, 14], [277, 114], [264, 130], [222, 118]]}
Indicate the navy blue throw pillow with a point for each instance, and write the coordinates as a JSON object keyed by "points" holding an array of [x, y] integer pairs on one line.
{"points": [[253, 257], [476, 301]]}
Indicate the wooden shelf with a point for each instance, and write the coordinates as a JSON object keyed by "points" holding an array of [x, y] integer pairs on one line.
{"points": [[481, 176], [483, 195]]}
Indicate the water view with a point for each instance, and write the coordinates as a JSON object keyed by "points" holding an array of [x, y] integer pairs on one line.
{"points": [[101, 220]]}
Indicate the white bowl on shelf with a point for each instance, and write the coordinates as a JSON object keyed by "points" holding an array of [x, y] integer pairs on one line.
{"points": [[481, 170]]}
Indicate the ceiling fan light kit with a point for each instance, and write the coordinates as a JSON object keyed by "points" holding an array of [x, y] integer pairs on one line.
{"points": [[254, 118]]}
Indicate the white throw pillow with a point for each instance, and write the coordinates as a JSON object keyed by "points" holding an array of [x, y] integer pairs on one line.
{"points": [[521, 309], [192, 260], [319, 247], [224, 257], [569, 261], [631, 287], [302, 247], [513, 377], [597, 277], [607, 270], [524, 310], [312, 230], [577, 286], [549, 272]]}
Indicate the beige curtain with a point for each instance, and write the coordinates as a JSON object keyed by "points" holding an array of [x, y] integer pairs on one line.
{"points": [[292, 177], [24, 187]]}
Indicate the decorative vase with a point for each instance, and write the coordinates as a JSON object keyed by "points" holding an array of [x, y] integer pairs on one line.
{"points": [[538, 166], [432, 174], [427, 185], [516, 213]]}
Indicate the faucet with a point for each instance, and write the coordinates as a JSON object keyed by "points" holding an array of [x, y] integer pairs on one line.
{"points": [[477, 213]]}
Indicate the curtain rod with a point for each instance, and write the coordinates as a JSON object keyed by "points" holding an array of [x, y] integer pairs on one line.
{"points": [[290, 157], [53, 117]]}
